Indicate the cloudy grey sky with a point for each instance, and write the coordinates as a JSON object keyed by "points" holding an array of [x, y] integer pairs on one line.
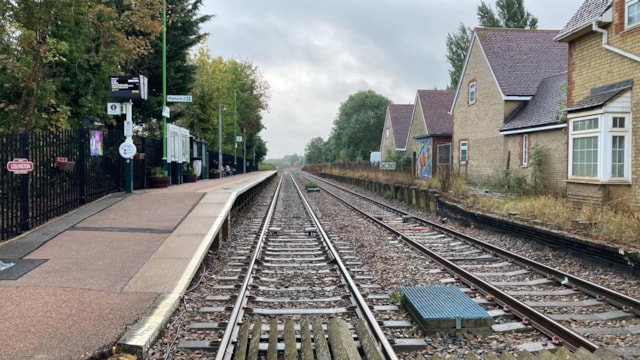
{"points": [[315, 53]]}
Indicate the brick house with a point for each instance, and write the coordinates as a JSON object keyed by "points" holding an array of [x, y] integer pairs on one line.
{"points": [[395, 131], [503, 71], [430, 132], [536, 132], [604, 64]]}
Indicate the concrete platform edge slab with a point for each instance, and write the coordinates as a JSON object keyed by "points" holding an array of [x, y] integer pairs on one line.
{"points": [[139, 338]]}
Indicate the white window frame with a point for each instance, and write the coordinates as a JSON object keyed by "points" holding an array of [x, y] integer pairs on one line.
{"points": [[627, 6], [472, 93], [525, 150], [604, 134], [464, 147], [387, 132]]}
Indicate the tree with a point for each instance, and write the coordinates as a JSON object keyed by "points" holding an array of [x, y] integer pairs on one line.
{"points": [[356, 131], [511, 14], [314, 151], [56, 55], [457, 47], [235, 86], [183, 33]]}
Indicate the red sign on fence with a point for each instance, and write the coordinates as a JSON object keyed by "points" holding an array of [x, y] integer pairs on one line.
{"points": [[20, 166]]}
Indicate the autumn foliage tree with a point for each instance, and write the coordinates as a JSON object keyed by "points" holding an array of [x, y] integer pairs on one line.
{"points": [[237, 89], [56, 55]]}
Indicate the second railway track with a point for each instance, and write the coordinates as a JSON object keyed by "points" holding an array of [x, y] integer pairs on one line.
{"points": [[571, 311], [293, 282]]}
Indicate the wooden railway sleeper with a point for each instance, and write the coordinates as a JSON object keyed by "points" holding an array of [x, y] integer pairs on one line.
{"points": [[313, 342]]}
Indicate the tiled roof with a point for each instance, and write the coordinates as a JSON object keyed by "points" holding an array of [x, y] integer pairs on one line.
{"points": [[400, 115], [541, 109], [596, 100], [582, 19], [435, 107], [601, 95], [521, 58]]}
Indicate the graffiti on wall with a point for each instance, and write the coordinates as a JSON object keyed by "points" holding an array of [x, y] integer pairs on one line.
{"points": [[424, 161]]}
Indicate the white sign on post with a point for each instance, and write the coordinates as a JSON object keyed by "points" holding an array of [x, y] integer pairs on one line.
{"points": [[127, 150], [113, 109], [387, 166], [128, 128]]}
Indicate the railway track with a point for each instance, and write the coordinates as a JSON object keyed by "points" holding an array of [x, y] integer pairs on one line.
{"points": [[519, 293], [287, 280]]}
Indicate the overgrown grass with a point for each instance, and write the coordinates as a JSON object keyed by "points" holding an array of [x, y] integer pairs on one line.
{"points": [[618, 221], [608, 222]]}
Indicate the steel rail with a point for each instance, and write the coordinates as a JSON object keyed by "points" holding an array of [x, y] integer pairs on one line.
{"points": [[385, 347], [614, 298], [544, 324], [225, 351]]}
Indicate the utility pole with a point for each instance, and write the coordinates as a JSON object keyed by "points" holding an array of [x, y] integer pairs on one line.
{"points": [[220, 167], [235, 127], [164, 85]]}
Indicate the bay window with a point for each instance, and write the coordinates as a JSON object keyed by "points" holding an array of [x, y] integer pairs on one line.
{"points": [[600, 148]]}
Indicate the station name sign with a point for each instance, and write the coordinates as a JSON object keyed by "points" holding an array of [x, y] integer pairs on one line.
{"points": [[128, 87], [20, 166]]}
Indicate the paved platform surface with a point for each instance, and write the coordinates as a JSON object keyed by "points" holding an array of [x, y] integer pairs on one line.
{"points": [[111, 271]]}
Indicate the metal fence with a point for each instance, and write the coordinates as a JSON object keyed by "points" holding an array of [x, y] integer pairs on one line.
{"points": [[68, 169], [58, 174]]}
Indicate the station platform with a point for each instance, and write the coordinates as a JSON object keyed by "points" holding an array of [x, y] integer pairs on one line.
{"points": [[111, 272]]}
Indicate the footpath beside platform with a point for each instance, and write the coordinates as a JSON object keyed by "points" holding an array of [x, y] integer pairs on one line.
{"points": [[111, 271]]}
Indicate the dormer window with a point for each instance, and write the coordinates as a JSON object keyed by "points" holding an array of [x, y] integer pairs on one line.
{"points": [[472, 93], [632, 13]]}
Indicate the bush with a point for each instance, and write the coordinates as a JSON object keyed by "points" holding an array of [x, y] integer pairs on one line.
{"points": [[310, 185], [159, 172]]}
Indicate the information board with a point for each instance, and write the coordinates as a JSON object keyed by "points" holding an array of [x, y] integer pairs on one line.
{"points": [[128, 87]]}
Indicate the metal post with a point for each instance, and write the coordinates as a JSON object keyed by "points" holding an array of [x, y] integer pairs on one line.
{"points": [[244, 154], [220, 108], [128, 166], [164, 85], [235, 131]]}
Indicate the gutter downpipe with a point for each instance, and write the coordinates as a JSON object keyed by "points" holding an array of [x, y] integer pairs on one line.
{"points": [[605, 36]]}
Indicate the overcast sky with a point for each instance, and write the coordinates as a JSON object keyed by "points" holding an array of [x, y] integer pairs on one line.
{"points": [[315, 53]]}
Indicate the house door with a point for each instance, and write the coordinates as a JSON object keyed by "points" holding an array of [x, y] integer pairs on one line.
{"points": [[444, 160]]}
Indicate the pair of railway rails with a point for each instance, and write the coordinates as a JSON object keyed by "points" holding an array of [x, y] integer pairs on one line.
{"points": [[291, 289]]}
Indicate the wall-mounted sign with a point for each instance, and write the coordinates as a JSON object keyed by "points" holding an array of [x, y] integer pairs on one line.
{"points": [[128, 87], [20, 166]]}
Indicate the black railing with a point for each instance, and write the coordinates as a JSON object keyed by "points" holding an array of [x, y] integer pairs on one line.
{"points": [[70, 170], [64, 176]]}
